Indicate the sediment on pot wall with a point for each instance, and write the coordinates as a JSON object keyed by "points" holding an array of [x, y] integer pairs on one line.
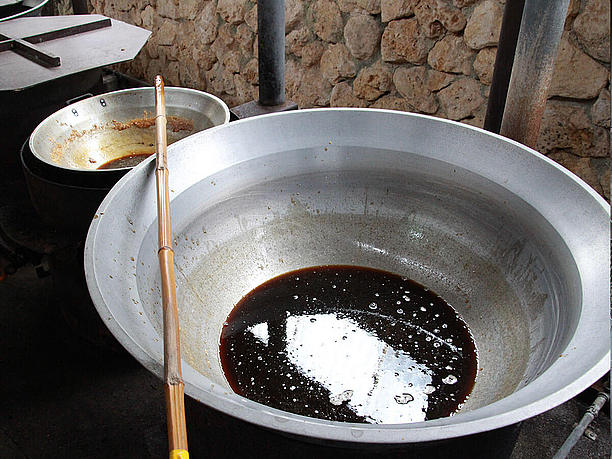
{"points": [[426, 56]]}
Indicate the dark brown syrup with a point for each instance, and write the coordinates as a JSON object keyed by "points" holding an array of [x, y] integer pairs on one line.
{"points": [[130, 160], [351, 344]]}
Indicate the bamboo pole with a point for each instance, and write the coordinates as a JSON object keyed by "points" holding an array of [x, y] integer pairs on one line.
{"points": [[174, 387]]}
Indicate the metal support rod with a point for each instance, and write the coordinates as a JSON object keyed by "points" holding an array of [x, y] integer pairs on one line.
{"points": [[69, 31], [532, 71], [511, 24], [29, 51], [573, 438], [271, 51]]}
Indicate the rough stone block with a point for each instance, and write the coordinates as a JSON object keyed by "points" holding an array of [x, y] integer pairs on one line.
{"points": [[576, 75], [436, 15], [484, 64], [337, 63], [592, 28], [306, 86], [148, 17], [244, 38], [297, 39], [403, 41], [221, 81], [312, 52], [327, 20], [439, 80], [244, 90], [189, 75], [566, 125], [342, 96], [390, 102], [251, 18], [231, 61], [204, 57], [224, 42], [600, 111], [167, 9], [294, 14], [372, 82], [362, 35], [367, 6], [167, 33], [396, 9], [189, 9], [463, 3], [411, 84], [206, 25], [484, 24], [251, 71], [451, 55], [461, 99], [232, 11]]}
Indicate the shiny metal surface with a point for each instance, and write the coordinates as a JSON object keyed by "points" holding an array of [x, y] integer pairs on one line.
{"points": [[517, 244], [84, 135]]}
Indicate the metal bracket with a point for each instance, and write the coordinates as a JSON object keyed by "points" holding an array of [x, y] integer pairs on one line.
{"points": [[254, 108], [590, 434]]}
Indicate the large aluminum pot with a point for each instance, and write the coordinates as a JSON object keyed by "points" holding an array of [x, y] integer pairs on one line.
{"points": [[519, 245], [87, 134]]}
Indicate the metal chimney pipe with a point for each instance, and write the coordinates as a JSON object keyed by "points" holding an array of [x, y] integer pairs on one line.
{"points": [[271, 51], [532, 71]]}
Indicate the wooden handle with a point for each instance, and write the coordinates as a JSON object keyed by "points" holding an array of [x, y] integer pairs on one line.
{"points": [[174, 387]]}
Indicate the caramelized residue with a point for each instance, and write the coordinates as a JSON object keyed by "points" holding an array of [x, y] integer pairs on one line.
{"points": [[130, 160], [174, 123]]}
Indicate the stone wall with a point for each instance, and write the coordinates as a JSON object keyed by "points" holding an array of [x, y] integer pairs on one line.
{"points": [[427, 56]]}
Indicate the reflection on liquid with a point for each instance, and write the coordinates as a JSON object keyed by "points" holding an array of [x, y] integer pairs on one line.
{"points": [[349, 344], [394, 393]]}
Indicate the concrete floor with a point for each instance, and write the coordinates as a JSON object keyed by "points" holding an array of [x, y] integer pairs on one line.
{"points": [[64, 397]]}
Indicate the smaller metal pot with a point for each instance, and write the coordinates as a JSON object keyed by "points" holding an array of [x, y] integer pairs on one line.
{"points": [[86, 135], [62, 156]]}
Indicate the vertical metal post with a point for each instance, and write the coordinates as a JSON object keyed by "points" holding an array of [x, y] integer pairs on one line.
{"points": [[511, 24], [532, 71], [271, 50]]}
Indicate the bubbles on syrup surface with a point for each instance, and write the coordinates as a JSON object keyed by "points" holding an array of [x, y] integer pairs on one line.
{"points": [[404, 398], [350, 355], [339, 399]]}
